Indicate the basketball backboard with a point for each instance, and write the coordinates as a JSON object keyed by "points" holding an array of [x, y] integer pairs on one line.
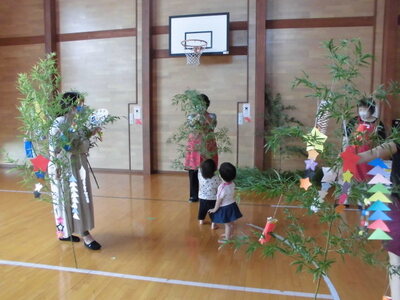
{"points": [[211, 28]]}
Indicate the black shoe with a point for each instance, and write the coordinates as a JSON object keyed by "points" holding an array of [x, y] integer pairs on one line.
{"points": [[93, 245], [193, 199], [73, 238]]}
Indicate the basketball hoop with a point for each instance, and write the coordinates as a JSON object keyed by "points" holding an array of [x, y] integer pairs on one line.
{"points": [[193, 50]]}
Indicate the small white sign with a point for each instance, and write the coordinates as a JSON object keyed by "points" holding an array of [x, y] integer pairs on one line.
{"points": [[137, 112], [240, 118], [130, 119], [246, 110]]}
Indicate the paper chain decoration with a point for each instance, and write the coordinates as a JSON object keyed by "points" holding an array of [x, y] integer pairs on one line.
{"points": [[380, 188]]}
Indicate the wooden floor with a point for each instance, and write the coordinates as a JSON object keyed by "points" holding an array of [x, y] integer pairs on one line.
{"points": [[147, 228]]}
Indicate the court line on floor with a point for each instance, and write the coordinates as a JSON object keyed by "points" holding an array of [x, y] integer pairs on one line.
{"points": [[331, 287], [173, 200], [164, 280]]}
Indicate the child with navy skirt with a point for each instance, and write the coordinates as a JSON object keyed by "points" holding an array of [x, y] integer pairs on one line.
{"points": [[208, 186], [226, 211]]}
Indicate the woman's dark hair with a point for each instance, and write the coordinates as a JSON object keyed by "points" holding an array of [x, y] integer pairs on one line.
{"points": [[227, 171], [205, 99], [369, 103], [69, 99], [208, 168]]}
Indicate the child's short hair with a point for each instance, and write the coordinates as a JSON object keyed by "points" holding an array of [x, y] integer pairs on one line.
{"points": [[369, 103], [208, 168], [227, 171]]}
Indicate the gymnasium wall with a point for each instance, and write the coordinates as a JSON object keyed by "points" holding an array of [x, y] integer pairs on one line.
{"points": [[99, 45], [21, 46], [295, 30], [222, 78]]}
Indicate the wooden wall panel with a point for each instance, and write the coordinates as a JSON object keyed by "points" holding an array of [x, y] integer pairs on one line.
{"points": [[95, 15], [105, 70], [163, 9], [21, 18], [223, 79], [290, 51], [13, 60], [299, 9]]}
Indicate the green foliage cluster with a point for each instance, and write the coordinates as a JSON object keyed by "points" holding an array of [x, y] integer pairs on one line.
{"points": [[277, 124], [336, 237], [194, 108], [39, 107]]}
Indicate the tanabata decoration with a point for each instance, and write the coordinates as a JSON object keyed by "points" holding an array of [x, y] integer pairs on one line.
{"points": [[269, 227], [347, 177], [315, 140], [39, 174], [38, 188], [380, 188], [312, 154], [310, 164], [350, 159], [379, 170], [378, 162], [305, 183], [40, 163], [29, 152], [379, 178]]}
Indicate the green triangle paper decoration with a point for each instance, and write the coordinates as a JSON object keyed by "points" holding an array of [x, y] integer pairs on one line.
{"points": [[379, 188], [378, 205], [379, 234], [379, 224], [379, 196]]}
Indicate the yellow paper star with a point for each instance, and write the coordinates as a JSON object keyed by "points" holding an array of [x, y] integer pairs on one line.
{"points": [[312, 154], [347, 176], [305, 183]]}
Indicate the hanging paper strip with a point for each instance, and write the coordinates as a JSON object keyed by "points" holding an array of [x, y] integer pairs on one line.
{"points": [[380, 191]]}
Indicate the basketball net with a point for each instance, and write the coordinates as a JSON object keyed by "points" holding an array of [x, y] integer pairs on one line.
{"points": [[193, 50]]}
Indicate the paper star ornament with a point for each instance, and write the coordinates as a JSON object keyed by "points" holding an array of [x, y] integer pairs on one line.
{"points": [[305, 183], [347, 176], [350, 159], [329, 174], [310, 164], [312, 154], [315, 140], [40, 163]]}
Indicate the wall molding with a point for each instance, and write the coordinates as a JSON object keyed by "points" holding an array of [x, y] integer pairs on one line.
{"points": [[92, 35], [157, 30], [22, 40], [320, 22], [233, 50]]}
